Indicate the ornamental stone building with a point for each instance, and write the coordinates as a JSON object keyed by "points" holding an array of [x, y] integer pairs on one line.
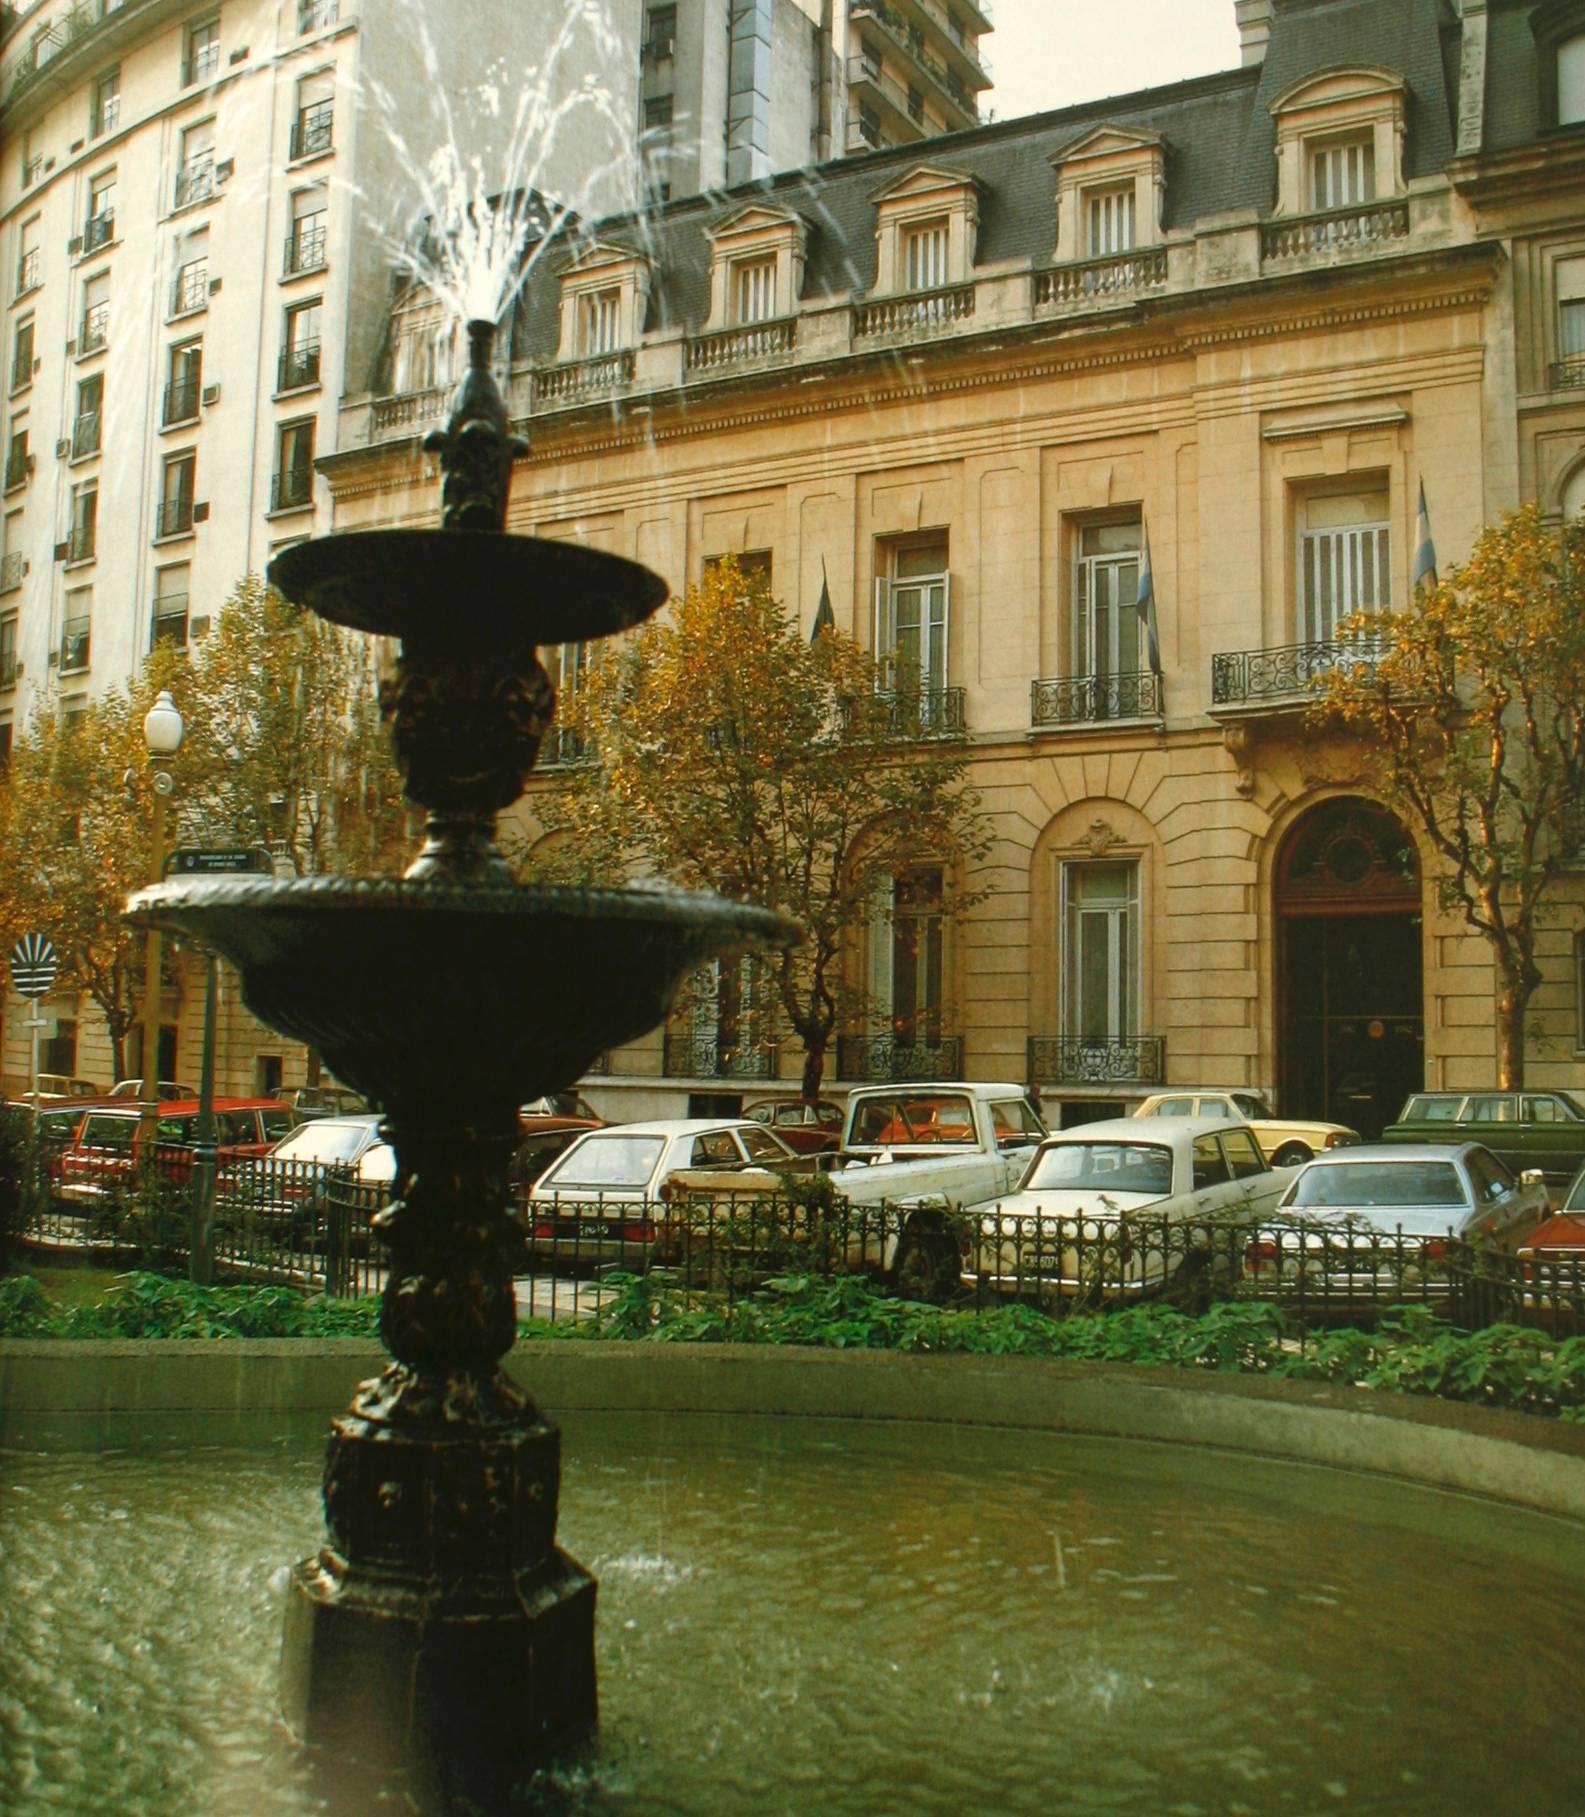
{"points": [[1236, 323]]}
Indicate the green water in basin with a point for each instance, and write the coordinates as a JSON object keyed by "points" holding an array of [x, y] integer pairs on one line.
{"points": [[819, 1617]]}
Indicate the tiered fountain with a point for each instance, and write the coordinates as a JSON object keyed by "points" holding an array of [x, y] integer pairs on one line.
{"points": [[440, 1631]]}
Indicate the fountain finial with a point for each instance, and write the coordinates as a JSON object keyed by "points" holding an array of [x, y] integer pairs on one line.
{"points": [[477, 446]]}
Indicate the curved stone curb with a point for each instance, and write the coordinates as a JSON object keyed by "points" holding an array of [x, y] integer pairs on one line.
{"points": [[53, 1391]]}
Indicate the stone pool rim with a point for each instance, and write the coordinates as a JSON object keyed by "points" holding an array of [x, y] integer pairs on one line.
{"points": [[70, 1391]]}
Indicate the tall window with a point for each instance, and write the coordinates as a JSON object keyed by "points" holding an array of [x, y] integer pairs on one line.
{"points": [[660, 36], [178, 475], [195, 179], [315, 15], [8, 650], [1106, 639], [76, 630], [1100, 951], [1344, 561], [1571, 337], [32, 157], [203, 52], [19, 462], [105, 110], [907, 951], [300, 352], [100, 227], [190, 290], [425, 350], [88, 424], [184, 382], [85, 519], [94, 329], [305, 250], [294, 473], [313, 131], [30, 261], [1110, 221], [911, 616], [754, 290], [12, 561], [22, 354], [925, 256], [1342, 175], [171, 589], [1571, 81], [728, 1029], [600, 315]]}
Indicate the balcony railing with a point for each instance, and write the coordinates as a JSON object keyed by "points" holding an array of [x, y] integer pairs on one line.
{"points": [[1091, 699], [99, 230], [1243, 677], [315, 15], [914, 46], [19, 464], [74, 644], [95, 330], [305, 251], [298, 366], [80, 541], [191, 289], [910, 314], [408, 409], [708, 1057], [21, 368], [1363, 224], [560, 747], [1093, 280], [880, 1058], [923, 713], [313, 130], [85, 434], [739, 346], [1568, 374], [179, 404], [195, 182], [291, 487], [201, 66], [30, 271], [170, 621], [1074, 1060], [13, 566], [8, 667], [173, 517], [580, 379]]}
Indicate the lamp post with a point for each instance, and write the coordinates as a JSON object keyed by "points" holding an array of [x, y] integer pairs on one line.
{"points": [[162, 734]]}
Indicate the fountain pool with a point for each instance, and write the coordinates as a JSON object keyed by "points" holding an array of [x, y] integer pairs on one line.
{"points": [[838, 1616]]}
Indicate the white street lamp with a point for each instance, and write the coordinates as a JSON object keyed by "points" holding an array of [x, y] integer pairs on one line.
{"points": [[162, 734]]}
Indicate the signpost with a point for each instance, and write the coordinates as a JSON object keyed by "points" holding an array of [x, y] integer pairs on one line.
{"points": [[230, 861], [34, 963]]}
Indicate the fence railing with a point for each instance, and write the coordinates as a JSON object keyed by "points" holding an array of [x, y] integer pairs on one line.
{"points": [[1114, 275], [1239, 676], [906, 314], [1361, 224], [1091, 699], [1077, 1060]]}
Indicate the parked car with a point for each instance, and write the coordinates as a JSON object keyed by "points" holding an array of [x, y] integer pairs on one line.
{"points": [[599, 1201], [1123, 1208], [106, 1147], [323, 1101], [1372, 1224], [1286, 1141], [812, 1129], [1544, 1129], [286, 1188], [166, 1089], [61, 1085], [562, 1104], [1552, 1259]]}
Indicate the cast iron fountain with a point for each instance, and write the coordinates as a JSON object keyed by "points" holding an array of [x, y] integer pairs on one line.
{"points": [[440, 1631]]}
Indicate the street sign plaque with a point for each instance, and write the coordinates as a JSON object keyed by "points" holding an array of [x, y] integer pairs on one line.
{"points": [[34, 963], [230, 861]]}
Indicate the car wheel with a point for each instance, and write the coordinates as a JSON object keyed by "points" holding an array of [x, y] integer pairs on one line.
{"points": [[925, 1267], [1292, 1154]]}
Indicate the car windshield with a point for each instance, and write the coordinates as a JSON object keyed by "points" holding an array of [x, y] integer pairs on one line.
{"points": [[326, 1140], [1105, 1166], [604, 1162], [915, 1117], [1369, 1184]]}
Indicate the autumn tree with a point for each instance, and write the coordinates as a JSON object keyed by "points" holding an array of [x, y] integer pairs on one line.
{"points": [[721, 750], [1471, 707]]}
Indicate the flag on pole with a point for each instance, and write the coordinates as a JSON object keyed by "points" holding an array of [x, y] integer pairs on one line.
{"points": [[1146, 602], [825, 618], [1424, 569]]}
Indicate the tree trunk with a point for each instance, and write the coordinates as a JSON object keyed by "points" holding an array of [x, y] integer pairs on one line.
{"points": [[1511, 1006], [814, 1069]]}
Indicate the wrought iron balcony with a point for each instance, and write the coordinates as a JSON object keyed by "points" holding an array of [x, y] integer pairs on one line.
{"points": [[1294, 672], [74, 644], [312, 130], [916, 713], [173, 517], [170, 620], [878, 1058], [195, 182], [180, 402], [191, 289], [1076, 1060], [298, 366], [99, 230], [1568, 374], [1335, 230], [19, 464], [291, 487], [1093, 699], [305, 250], [914, 313], [95, 329], [80, 541], [30, 271], [687, 1056], [85, 434]]}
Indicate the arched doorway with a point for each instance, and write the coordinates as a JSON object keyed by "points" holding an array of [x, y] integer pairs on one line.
{"points": [[1350, 966]]}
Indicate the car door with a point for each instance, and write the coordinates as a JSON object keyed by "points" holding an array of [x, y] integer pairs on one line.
{"points": [[1256, 1186]]}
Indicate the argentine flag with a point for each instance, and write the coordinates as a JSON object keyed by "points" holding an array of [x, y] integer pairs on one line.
{"points": [[1145, 600], [1424, 570]]}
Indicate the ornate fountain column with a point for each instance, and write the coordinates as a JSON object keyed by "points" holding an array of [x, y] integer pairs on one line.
{"points": [[439, 1632]]}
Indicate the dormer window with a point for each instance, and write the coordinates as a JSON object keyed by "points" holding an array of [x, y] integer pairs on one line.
{"points": [[1110, 214], [1342, 174], [1559, 28], [1111, 190], [925, 255], [756, 266], [604, 296], [1571, 81], [1339, 140], [927, 228], [600, 322], [753, 290]]}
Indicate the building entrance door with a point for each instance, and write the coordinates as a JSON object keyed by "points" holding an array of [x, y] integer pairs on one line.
{"points": [[1351, 967]]}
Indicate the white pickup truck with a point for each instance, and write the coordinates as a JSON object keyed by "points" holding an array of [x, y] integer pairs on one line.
{"points": [[916, 1153]]}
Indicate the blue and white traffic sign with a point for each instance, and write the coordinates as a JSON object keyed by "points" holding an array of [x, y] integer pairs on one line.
{"points": [[34, 963]]}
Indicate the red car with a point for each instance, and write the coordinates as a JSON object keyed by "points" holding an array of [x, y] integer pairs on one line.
{"points": [[106, 1147], [811, 1129]]}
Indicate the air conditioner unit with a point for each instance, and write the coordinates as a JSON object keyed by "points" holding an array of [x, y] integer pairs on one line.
{"points": [[71, 348], [54, 658], [224, 169], [240, 56], [77, 145], [62, 550], [211, 394], [201, 512], [62, 448], [74, 246], [214, 287], [199, 627]]}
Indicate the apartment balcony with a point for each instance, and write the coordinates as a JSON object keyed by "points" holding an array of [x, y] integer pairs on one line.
{"points": [[946, 38], [195, 182], [170, 621], [99, 230], [923, 714], [921, 312], [877, 1059], [13, 565], [75, 645], [689, 1056], [190, 292], [752, 344], [305, 251], [923, 61], [30, 272], [179, 402], [392, 417], [292, 488], [173, 517], [18, 468], [94, 333], [579, 380], [313, 131], [1088, 700], [1114, 278], [1078, 1060], [86, 430], [80, 541], [1337, 230], [298, 366], [1288, 678], [1567, 374]]}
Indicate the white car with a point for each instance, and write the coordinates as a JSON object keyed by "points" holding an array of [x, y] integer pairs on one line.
{"points": [[1285, 1141], [1117, 1209], [598, 1201]]}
